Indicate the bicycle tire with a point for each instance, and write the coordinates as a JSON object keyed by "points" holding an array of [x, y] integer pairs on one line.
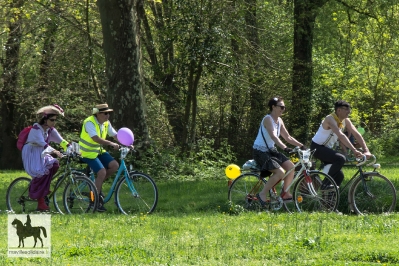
{"points": [[316, 192], [80, 195], [58, 192], [17, 196], [243, 190], [143, 200], [380, 196]]}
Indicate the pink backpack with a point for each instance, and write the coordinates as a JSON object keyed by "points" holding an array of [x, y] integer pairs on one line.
{"points": [[22, 137]]}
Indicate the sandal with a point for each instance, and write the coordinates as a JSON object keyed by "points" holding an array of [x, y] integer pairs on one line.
{"points": [[287, 200], [263, 203]]}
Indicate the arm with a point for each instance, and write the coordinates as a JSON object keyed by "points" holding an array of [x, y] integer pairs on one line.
{"points": [[352, 130], [284, 133], [268, 124], [90, 128], [330, 123]]}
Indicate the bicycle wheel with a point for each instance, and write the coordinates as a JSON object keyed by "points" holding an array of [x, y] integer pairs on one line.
{"points": [[243, 190], [316, 192], [372, 194], [58, 191], [17, 197], [80, 194], [136, 194]]}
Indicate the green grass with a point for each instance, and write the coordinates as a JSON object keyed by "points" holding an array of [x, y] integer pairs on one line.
{"points": [[192, 226]]}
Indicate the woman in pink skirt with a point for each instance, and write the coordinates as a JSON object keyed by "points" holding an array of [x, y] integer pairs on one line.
{"points": [[37, 154]]}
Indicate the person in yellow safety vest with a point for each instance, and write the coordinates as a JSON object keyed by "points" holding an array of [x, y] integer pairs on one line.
{"points": [[93, 136]]}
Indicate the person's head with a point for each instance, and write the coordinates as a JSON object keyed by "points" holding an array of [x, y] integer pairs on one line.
{"points": [[102, 112], [277, 104], [342, 109], [48, 115]]}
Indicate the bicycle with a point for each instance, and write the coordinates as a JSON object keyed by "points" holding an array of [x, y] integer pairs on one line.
{"points": [[309, 193], [369, 192], [135, 192], [82, 187]]}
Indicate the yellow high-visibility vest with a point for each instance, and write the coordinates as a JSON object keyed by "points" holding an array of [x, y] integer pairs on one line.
{"points": [[88, 147]]}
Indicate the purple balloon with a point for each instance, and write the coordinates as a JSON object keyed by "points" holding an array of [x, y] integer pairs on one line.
{"points": [[125, 136]]}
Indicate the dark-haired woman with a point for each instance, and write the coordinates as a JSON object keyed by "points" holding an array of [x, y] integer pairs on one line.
{"points": [[37, 154], [266, 154]]}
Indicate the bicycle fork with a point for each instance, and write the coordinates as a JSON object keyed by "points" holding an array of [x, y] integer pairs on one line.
{"points": [[309, 184]]}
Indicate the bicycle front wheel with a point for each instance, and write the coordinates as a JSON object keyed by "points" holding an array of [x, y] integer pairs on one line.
{"points": [[373, 193], [80, 195], [316, 191], [136, 194], [243, 190], [17, 197]]}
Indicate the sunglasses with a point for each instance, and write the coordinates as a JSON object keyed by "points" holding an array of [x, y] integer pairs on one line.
{"points": [[281, 106], [106, 113], [52, 119]]}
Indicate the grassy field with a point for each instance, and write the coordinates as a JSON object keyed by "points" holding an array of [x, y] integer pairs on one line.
{"points": [[192, 226]]}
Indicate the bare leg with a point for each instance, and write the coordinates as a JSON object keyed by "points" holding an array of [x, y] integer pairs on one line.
{"points": [[274, 178], [103, 174], [287, 165]]}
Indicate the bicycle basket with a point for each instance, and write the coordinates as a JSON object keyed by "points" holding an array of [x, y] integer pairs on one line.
{"points": [[250, 165]]}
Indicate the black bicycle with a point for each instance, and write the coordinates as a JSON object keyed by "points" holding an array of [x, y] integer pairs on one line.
{"points": [[75, 182], [369, 192]]}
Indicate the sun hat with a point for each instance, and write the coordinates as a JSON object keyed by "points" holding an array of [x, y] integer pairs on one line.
{"points": [[53, 109], [101, 108]]}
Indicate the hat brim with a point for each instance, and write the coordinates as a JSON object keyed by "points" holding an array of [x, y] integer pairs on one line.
{"points": [[108, 110]]}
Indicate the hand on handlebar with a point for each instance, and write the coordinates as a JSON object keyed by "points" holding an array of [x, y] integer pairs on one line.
{"points": [[114, 146]]}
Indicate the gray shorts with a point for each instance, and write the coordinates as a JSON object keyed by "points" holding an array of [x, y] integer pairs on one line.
{"points": [[268, 161]]}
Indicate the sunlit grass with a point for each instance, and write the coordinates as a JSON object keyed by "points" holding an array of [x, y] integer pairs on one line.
{"points": [[192, 225]]}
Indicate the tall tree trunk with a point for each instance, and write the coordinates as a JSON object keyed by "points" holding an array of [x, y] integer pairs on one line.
{"points": [[305, 12], [48, 50], [256, 96], [10, 156], [120, 27]]}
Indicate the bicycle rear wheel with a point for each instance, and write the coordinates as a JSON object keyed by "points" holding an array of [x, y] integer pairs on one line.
{"points": [[137, 194], [316, 191], [243, 190], [372, 194], [17, 196], [80, 194]]}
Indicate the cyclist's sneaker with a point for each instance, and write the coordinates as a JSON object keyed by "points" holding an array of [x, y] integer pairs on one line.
{"points": [[101, 208]]}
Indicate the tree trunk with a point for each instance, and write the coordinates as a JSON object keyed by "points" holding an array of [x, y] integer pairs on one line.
{"points": [[10, 157], [305, 12], [256, 96], [120, 27]]}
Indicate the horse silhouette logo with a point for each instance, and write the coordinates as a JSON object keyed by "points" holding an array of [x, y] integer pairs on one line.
{"points": [[36, 227], [24, 231]]}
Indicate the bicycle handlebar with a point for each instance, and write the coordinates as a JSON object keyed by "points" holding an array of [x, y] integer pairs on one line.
{"points": [[363, 160]]}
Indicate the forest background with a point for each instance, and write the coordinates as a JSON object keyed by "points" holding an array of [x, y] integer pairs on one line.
{"points": [[192, 78]]}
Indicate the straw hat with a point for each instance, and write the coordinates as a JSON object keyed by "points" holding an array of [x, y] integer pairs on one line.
{"points": [[53, 109], [101, 108]]}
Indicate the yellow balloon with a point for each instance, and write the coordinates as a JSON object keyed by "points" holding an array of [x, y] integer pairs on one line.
{"points": [[232, 171]]}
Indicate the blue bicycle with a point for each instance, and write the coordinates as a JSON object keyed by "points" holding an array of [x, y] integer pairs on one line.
{"points": [[135, 192]]}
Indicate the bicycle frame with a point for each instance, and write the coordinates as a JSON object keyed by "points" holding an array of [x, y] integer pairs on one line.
{"points": [[304, 160], [122, 171]]}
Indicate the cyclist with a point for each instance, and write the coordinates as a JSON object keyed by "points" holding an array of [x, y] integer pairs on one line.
{"points": [[265, 153], [37, 155], [92, 139], [329, 132]]}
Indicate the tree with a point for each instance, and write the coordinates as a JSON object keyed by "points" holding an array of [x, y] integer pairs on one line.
{"points": [[305, 12], [121, 42], [10, 63]]}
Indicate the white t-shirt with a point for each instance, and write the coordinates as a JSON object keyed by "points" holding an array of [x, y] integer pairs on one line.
{"points": [[259, 143], [91, 129]]}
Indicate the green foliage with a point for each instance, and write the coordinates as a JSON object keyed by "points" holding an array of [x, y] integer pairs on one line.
{"points": [[169, 165]]}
